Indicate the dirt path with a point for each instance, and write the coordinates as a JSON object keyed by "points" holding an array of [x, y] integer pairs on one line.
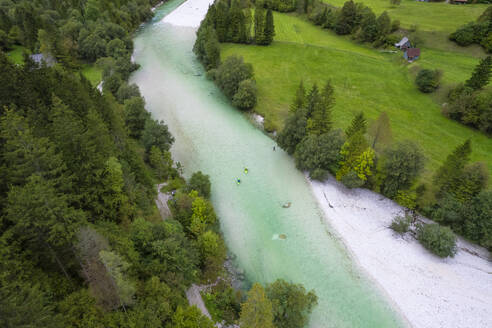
{"points": [[161, 202], [195, 298]]}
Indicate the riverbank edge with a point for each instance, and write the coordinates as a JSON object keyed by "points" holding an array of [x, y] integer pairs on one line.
{"points": [[424, 295]]}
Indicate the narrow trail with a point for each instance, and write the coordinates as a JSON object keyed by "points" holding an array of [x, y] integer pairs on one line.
{"points": [[161, 202]]}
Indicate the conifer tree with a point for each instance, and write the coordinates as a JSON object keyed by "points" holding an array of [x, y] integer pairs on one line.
{"points": [[358, 125], [257, 311], [25, 154], [235, 25], [369, 28], [346, 19], [259, 25], [222, 21], [447, 177], [42, 220], [269, 27], [320, 121], [481, 75], [383, 25], [328, 100], [353, 149], [212, 50], [300, 98], [313, 100]]}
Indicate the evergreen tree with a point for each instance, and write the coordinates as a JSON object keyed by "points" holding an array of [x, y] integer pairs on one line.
{"points": [[473, 180], [346, 19], [260, 37], [383, 25], [447, 178], [25, 154], [161, 162], [369, 28], [135, 116], [42, 221], [212, 50], [269, 27], [358, 125], [114, 198], [351, 152], [300, 98], [257, 311], [313, 100], [320, 121], [235, 28], [481, 75], [222, 21], [22, 305]]}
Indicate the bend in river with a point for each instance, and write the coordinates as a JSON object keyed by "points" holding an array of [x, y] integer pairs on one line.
{"points": [[217, 139]]}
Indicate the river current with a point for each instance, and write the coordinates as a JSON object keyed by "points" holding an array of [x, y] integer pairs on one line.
{"points": [[268, 241]]}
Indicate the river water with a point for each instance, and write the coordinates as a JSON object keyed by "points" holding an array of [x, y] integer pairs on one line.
{"points": [[217, 139]]}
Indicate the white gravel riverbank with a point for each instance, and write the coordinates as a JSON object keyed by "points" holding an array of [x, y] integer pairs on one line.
{"points": [[189, 14], [429, 291]]}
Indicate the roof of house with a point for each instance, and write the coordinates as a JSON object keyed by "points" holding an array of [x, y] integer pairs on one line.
{"points": [[39, 58], [402, 42], [413, 52]]}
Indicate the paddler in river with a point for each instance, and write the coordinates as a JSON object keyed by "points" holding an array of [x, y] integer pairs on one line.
{"points": [[245, 170], [238, 181]]}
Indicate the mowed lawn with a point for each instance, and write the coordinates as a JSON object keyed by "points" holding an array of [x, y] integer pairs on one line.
{"points": [[364, 79], [428, 16]]}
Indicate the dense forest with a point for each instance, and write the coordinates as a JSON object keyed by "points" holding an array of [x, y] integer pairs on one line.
{"points": [[83, 244]]}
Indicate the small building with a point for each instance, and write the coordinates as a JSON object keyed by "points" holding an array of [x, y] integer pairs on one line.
{"points": [[41, 58], [403, 44], [411, 54]]}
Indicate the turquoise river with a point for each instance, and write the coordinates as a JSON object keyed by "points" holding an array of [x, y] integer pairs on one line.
{"points": [[217, 139]]}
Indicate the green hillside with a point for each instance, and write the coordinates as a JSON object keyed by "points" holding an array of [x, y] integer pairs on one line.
{"points": [[364, 79]]}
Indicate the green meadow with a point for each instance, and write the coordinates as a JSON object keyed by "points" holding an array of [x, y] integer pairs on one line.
{"points": [[92, 73], [16, 54], [364, 79], [428, 16]]}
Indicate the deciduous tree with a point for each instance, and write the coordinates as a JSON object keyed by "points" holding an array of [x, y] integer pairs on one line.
{"points": [[291, 303]]}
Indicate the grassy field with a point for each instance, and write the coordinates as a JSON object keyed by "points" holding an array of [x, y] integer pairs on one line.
{"points": [[92, 73], [15, 55], [428, 16], [364, 79]]}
